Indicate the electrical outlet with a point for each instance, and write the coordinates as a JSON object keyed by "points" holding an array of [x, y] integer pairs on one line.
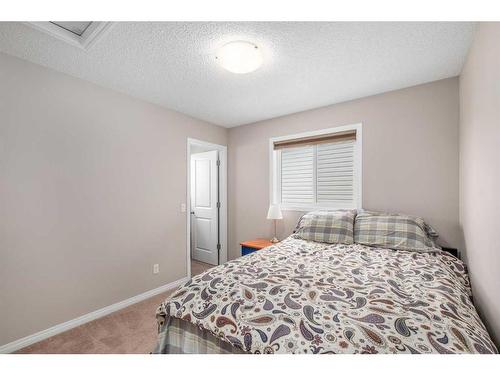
{"points": [[183, 207], [156, 268]]}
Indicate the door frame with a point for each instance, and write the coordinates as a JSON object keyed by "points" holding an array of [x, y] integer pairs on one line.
{"points": [[222, 198]]}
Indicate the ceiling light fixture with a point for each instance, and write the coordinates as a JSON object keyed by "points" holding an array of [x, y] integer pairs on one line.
{"points": [[240, 57]]}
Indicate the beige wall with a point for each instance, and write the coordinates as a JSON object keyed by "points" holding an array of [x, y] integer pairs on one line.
{"points": [[480, 171], [410, 159], [90, 193]]}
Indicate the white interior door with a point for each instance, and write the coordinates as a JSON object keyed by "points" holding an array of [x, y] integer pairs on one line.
{"points": [[204, 208]]}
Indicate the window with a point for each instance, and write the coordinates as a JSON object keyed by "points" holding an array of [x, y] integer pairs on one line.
{"points": [[317, 170]]}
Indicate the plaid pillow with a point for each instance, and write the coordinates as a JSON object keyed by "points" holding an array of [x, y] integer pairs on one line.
{"points": [[392, 231], [327, 226]]}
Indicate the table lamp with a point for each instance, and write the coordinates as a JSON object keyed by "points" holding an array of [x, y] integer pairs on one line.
{"points": [[274, 213]]}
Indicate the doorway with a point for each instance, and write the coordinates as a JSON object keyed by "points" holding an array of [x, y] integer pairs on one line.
{"points": [[206, 205]]}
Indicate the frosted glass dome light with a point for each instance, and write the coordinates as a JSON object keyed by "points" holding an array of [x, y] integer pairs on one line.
{"points": [[240, 57]]}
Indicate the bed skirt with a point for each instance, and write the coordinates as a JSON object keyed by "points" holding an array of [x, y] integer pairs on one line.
{"points": [[177, 336]]}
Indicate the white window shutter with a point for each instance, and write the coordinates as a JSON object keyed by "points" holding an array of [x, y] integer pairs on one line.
{"points": [[335, 172], [297, 175], [313, 174]]}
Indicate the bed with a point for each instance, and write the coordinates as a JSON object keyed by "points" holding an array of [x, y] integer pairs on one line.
{"points": [[307, 297]]}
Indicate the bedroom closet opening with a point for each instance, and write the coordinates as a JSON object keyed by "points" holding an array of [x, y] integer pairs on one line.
{"points": [[206, 197]]}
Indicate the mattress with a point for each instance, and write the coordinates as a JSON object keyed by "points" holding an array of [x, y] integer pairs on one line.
{"points": [[307, 297]]}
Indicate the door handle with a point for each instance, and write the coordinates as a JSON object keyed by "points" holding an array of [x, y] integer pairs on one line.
{"points": [[192, 212]]}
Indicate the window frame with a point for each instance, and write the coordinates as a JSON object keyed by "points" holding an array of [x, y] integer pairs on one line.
{"points": [[275, 171]]}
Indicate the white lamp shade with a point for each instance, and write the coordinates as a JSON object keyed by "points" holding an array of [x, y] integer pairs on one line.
{"points": [[274, 212], [240, 57]]}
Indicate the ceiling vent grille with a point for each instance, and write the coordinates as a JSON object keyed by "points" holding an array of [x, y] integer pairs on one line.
{"points": [[82, 34]]}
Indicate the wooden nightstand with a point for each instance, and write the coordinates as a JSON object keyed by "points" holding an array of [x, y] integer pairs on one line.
{"points": [[453, 251], [249, 247]]}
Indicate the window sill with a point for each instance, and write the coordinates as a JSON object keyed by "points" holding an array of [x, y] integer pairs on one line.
{"points": [[285, 207]]}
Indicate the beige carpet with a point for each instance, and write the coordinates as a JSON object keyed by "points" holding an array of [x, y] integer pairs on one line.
{"points": [[199, 267], [131, 330]]}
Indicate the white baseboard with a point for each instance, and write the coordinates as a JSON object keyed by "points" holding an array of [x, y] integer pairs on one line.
{"points": [[42, 335]]}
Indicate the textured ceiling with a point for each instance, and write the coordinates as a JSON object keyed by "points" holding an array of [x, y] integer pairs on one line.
{"points": [[307, 65]]}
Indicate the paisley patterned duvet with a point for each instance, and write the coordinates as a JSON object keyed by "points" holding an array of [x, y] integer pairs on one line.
{"points": [[307, 297]]}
